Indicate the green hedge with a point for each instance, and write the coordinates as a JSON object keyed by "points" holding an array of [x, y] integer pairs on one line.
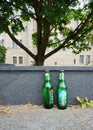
{"points": [[2, 54]]}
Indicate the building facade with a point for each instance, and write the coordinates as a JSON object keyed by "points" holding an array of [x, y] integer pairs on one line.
{"points": [[64, 57]]}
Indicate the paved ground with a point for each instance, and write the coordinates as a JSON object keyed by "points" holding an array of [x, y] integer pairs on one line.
{"points": [[28, 117]]}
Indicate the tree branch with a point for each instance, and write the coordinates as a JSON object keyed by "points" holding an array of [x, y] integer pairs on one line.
{"points": [[71, 36], [37, 6], [28, 13], [67, 4], [19, 43], [70, 2]]}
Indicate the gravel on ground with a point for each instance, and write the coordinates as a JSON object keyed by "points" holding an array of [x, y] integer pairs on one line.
{"points": [[35, 117]]}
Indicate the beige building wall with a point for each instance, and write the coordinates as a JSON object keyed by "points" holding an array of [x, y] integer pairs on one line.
{"points": [[15, 51], [61, 58], [67, 58]]}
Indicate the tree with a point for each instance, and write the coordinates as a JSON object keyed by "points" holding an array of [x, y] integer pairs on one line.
{"points": [[2, 54], [52, 18]]}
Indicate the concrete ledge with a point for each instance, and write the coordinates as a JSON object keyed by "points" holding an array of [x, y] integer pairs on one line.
{"points": [[20, 85], [9, 67]]}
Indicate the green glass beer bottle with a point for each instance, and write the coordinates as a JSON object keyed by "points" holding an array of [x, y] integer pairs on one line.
{"points": [[47, 91], [62, 96]]}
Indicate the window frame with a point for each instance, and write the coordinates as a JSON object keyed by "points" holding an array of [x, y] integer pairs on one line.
{"points": [[14, 60], [20, 59], [87, 59], [81, 59]]}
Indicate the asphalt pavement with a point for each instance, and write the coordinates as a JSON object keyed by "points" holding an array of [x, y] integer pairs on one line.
{"points": [[29, 117]]}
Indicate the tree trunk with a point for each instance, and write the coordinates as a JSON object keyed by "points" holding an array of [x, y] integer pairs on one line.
{"points": [[39, 63], [39, 60]]}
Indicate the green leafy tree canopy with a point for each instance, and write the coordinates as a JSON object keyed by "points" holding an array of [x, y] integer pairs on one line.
{"points": [[52, 18]]}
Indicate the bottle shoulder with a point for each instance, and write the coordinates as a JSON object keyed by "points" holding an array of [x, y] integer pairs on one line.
{"points": [[47, 85], [62, 85]]}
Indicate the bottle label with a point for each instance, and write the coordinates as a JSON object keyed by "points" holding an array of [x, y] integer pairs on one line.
{"points": [[62, 97], [51, 96]]}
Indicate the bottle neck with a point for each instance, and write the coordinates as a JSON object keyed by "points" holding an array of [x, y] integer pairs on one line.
{"points": [[61, 76], [47, 76]]}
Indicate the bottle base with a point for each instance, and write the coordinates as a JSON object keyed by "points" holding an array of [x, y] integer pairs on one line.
{"points": [[62, 108], [48, 107]]}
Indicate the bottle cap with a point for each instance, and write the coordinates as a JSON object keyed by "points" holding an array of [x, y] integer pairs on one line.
{"points": [[61, 70], [46, 70]]}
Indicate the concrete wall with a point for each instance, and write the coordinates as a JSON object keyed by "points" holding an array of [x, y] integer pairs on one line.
{"points": [[20, 85]]}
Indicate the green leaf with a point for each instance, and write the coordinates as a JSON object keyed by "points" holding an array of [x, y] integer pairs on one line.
{"points": [[86, 99], [81, 100], [83, 105], [89, 104]]}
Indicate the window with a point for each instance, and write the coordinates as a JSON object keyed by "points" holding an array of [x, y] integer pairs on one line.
{"points": [[14, 44], [81, 59], [55, 39], [74, 61], [2, 42], [87, 59], [78, 43], [20, 60], [63, 48], [77, 23], [25, 28], [21, 40], [55, 63], [87, 43], [33, 30], [14, 60]]}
